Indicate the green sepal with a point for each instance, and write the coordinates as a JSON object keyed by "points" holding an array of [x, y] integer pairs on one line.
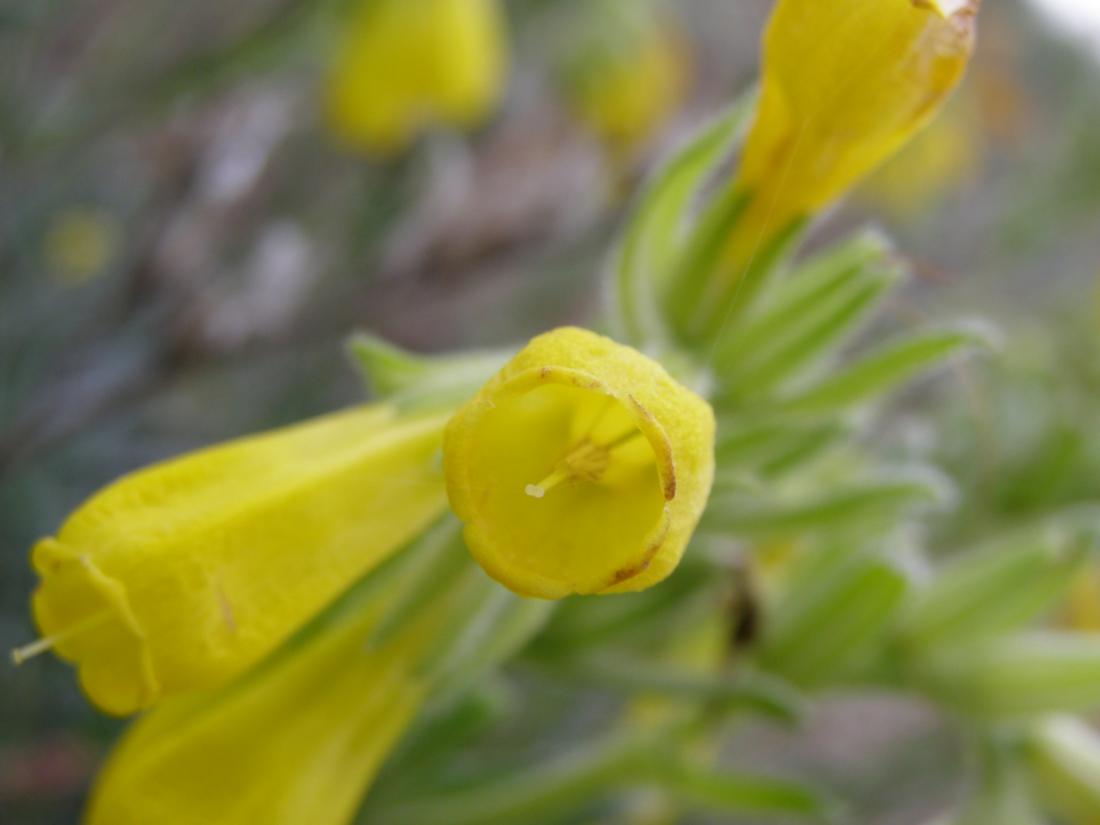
{"points": [[415, 382]]}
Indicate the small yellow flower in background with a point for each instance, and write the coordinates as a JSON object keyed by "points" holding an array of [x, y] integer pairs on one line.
{"points": [[178, 577], [582, 467], [79, 244], [844, 85], [405, 66], [625, 87], [1082, 611], [939, 160], [296, 741]]}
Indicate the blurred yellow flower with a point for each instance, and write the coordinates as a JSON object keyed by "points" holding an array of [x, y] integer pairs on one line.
{"points": [[582, 467], [844, 85], [408, 65], [938, 160], [296, 741], [1082, 610], [79, 244], [180, 576], [627, 89]]}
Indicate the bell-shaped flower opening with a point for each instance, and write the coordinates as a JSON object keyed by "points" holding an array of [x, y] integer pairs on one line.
{"points": [[582, 467], [180, 576], [404, 66]]}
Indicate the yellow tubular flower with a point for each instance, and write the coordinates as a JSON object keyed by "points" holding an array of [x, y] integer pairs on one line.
{"points": [[407, 65], [296, 741], [844, 85], [182, 575], [582, 467]]}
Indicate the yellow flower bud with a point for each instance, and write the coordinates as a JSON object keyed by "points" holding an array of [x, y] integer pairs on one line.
{"points": [[845, 84], [182, 575], [79, 245], [408, 65], [581, 467], [296, 741]]}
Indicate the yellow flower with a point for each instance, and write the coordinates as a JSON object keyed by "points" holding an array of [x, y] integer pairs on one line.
{"points": [[844, 85], [631, 86], [582, 467], [180, 576], [938, 161], [297, 740], [1082, 611], [407, 65], [79, 244]]}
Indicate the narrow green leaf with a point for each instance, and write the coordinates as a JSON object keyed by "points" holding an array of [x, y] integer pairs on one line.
{"points": [[803, 293], [539, 791], [775, 445], [809, 444], [994, 591], [1036, 673], [501, 624], [659, 216], [809, 341], [728, 301], [1001, 792], [873, 502], [1063, 758], [700, 260], [819, 633], [759, 693], [885, 369], [740, 794]]}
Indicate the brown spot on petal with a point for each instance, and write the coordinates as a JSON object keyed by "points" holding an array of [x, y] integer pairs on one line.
{"points": [[625, 573]]}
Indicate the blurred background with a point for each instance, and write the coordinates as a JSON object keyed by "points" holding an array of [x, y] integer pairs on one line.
{"points": [[190, 226]]}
